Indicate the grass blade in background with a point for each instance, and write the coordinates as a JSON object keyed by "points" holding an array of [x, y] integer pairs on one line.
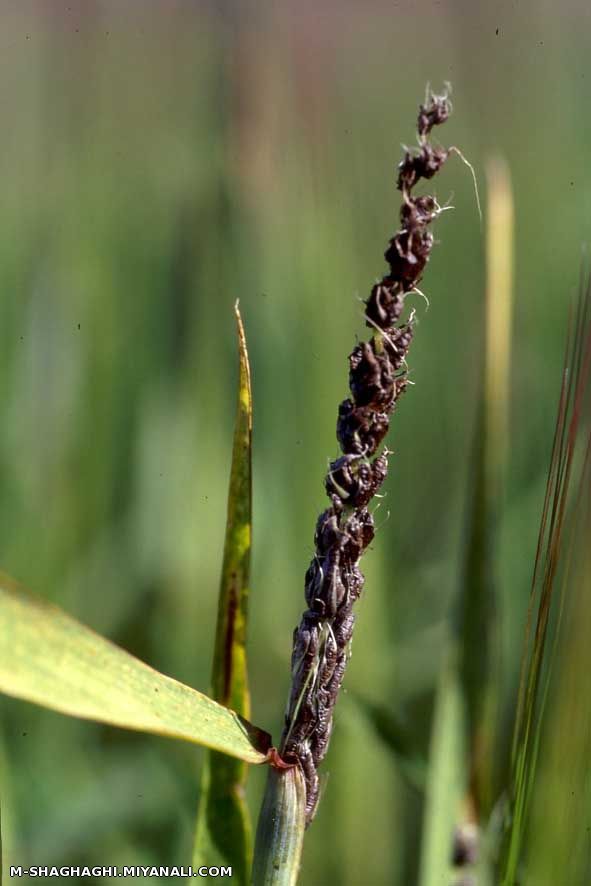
{"points": [[393, 730], [564, 496], [478, 629], [557, 846], [223, 833], [446, 779], [50, 659]]}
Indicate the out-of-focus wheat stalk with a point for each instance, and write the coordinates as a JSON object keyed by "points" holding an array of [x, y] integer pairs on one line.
{"points": [[566, 508], [478, 629]]}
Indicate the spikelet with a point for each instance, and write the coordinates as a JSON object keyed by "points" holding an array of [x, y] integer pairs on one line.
{"points": [[377, 377]]}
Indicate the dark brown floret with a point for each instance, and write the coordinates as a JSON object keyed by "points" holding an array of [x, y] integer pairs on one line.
{"points": [[334, 589], [344, 630], [397, 344], [328, 534], [418, 211], [384, 305], [434, 113], [371, 376], [349, 478], [379, 472], [354, 481], [407, 255], [356, 582], [319, 744], [360, 429], [305, 647], [424, 164], [359, 530], [313, 582]]}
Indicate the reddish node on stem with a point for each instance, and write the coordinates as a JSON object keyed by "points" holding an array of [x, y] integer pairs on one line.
{"points": [[275, 760]]}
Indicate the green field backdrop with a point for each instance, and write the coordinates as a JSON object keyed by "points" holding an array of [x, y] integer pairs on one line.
{"points": [[159, 160]]}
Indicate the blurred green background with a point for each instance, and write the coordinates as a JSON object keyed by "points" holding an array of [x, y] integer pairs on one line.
{"points": [[160, 160]]}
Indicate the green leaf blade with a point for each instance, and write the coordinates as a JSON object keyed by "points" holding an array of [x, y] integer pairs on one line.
{"points": [[229, 674], [558, 546], [391, 727], [446, 781], [224, 830], [50, 659]]}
